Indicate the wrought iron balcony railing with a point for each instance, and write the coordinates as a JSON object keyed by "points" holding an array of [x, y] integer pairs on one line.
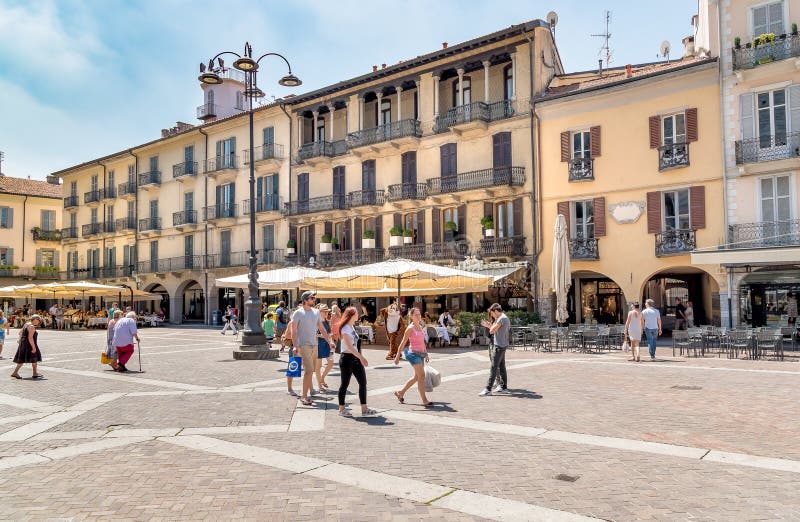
{"points": [[229, 259], [207, 110], [116, 271], [381, 133], [46, 235], [92, 196], [319, 149], [71, 201], [49, 273], [673, 155], [768, 148], [764, 234], [92, 229], [126, 189], [677, 241], [187, 168], [263, 152], [224, 162], [69, 233], [477, 179], [581, 169], [475, 111], [362, 198], [503, 246], [184, 217], [583, 248], [125, 223], [172, 264], [150, 178], [221, 211], [149, 224], [780, 49], [271, 256], [80, 274], [406, 191], [456, 250], [321, 204], [264, 203]]}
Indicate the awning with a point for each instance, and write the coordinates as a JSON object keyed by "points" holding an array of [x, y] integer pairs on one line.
{"points": [[747, 256]]}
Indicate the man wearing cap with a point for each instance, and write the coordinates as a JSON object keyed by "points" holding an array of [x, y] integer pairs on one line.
{"points": [[392, 319], [307, 324]]}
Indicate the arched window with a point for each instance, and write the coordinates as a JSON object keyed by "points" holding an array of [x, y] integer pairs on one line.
{"points": [[508, 82], [467, 91], [386, 112], [210, 96]]}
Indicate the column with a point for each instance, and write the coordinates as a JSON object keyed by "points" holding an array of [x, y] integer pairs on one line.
{"points": [[360, 112], [514, 75], [378, 108], [399, 89], [300, 130], [460, 72], [331, 109], [314, 130], [416, 95], [435, 95], [486, 64], [346, 117]]}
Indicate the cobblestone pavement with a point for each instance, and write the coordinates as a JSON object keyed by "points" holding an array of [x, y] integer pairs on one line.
{"points": [[581, 436]]}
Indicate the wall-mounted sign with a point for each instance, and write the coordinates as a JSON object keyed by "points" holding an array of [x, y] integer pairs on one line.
{"points": [[627, 211]]}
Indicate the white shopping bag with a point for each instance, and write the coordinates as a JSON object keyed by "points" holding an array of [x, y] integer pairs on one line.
{"points": [[432, 378]]}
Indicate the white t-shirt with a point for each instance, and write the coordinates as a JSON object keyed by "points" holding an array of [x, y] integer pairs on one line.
{"points": [[348, 330], [392, 320], [651, 316]]}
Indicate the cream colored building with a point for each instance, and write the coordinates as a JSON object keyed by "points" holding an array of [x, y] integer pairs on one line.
{"points": [[761, 117], [431, 145]]}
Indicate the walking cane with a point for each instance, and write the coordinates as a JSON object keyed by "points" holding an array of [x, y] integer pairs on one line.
{"points": [[139, 351]]}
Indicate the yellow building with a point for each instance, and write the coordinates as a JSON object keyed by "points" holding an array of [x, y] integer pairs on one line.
{"points": [[30, 231], [631, 157], [760, 48]]}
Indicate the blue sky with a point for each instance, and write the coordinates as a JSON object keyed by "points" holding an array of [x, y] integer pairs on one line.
{"points": [[79, 80]]}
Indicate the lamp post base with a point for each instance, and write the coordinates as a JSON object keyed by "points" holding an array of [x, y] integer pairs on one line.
{"points": [[255, 352], [253, 334]]}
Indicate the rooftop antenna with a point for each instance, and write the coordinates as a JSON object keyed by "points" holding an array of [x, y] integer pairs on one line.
{"points": [[552, 19], [606, 36], [664, 50]]}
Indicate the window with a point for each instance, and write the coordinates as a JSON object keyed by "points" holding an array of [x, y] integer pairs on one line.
{"points": [[776, 198], [768, 19], [386, 112], [505, 219], [240, 100], [48, 220], [131, 210], [410, 223], [93, 216], [225, 247], [188, 249], [267, 193], [673, 129], [368, 176], [771, 115], [508, 82], [225, 200], [154, 256], [110, 257], [268, 135], [73, 221], [110, 214], [450, 215], [268, 234], [188, 201], [581, 145], [226, 153], [188, 158], [210, 96], [73, 188], [320, 128], [111, 185], [306, 241], [6, 256], [676, 210], [93, 183], [340, 233], [154, 164], [153, 209], [368, 224], [582, 219], [131, 174], [47, 257], [467, 86], [6, 217]]}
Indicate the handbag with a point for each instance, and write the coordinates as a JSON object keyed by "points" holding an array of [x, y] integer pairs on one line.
{"points": [[105, 359], [295, 368], [626, 345]]}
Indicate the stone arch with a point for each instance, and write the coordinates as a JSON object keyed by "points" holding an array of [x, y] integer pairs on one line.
{"points": [[596, 298], [687, 283], [154, 306], [190, 302]]}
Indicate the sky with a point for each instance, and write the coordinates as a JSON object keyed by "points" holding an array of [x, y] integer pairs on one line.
{"points": [[83, 79]]}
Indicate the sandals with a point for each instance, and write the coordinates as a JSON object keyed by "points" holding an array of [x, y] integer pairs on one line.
{"points": [[307, 402], [400, 398], [429, 404], [345, 413], [368, 413], [14, 375], [38, 376]]}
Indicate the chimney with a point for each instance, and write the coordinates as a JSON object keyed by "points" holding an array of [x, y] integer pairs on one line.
{"points": [[600, 67], [383, 66], [53, 180], [374, 68], [444, 45], [688, 44], [628, 71], [164, 133]]}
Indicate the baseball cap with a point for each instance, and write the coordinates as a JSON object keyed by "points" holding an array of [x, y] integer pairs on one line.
{"points": [[307, 294]]}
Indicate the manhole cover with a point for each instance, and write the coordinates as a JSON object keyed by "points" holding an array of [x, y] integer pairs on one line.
{"points": [[567, 478], [683, 387]]}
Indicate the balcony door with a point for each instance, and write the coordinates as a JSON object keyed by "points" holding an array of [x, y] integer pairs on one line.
{"points": [[676, 210], [267, 193], [501, 157], [771, 121], [504, 221], [768, 18], [188, 158], [338, 187], [268, 235], [582, 220], [188, 251], [409, 174], [154, 256], [673, 132], [225, 200], [225, 248], [302, 192], [776, 209], [368, 182]]}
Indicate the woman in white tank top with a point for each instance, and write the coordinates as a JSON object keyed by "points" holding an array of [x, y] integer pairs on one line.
{"points": [[633, 329]]}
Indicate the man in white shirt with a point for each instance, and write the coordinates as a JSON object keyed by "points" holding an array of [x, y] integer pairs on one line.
{"points": [[652, 326]]}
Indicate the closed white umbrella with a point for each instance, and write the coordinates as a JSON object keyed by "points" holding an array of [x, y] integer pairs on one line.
{"points": [[562, 277]]}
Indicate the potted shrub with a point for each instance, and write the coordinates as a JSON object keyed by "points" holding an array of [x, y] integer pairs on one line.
{"points": [[290, 246], [466, 329], [487, 222], [449, 230], [335, 242], [794, 29], [395, 236], [368, 239], [737, 42], [325, 245], [408, 237]]}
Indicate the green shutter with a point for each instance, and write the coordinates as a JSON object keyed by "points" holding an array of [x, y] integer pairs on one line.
{"points": [[269, 135], [10, 218], [55, 259], [38, 257]]}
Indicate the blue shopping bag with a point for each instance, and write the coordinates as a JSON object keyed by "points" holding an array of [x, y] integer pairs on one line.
{"points": [[295, 367]]}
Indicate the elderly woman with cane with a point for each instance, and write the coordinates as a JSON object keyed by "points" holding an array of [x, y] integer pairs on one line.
{"points": [[124, 333], [111, 350]]}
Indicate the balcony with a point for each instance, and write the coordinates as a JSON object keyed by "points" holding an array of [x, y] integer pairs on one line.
{"points": [[583, 248], [127, 190], [321, 152], [503, 247], [581, 169], [268, 156], [221, 211], [473, 116], [765, 234], [150, 180], [207, 110], [92, 197], [46, 235], [109, 193], [451, 250], [750, 57], [150, 225], [406, 192], [69, 233], [71, 201], [321, 204], [768, 148], [109, 227], [267, 203], [80, 274], [92, 229], [171, 264], [675, 242], [229, 259], [181, 170], [125, 224], [478, 179], [184, 219], [364, 198], [222, 168], [111, 272], [271, 257], [46, 273], [12, 271], [673, 156], [392, 134]]}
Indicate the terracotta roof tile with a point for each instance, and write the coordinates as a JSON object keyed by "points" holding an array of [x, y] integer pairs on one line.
{"points": [[29, 187]]}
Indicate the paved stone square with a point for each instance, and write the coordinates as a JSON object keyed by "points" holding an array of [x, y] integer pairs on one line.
{"points": [[198, 435]]}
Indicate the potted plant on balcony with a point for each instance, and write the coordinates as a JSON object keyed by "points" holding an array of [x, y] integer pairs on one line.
{"points": [[368, 239], [794, 29], [290, 246], [737, 42], [396, 236], [408, 237], [487, 222], [335, 242], [450, 229], [325, 245]]}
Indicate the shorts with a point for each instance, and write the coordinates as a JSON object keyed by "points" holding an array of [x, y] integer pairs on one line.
{"points": [[279, 331], [414, 358], [2, 340], [323, 350], [309, 355]]}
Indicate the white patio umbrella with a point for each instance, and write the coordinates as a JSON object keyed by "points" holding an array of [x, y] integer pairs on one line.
{"points": [[278, 279], [562, 277]]}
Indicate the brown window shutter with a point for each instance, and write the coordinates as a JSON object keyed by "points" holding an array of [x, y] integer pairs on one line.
{"points": [[691, 125], [421, 226], [653, 212], [565, 155], [563, 209], [594, 141], [312, 238], [599, 212], [328, 228], [379, 232], [655, 132], [517, 210], [346, 243], [488, 209], [398, 220], [357, 234], [462, 220], [436, 231], [697, 206]]}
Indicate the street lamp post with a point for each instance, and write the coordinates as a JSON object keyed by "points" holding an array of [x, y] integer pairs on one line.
{"points": [[253, 334]]}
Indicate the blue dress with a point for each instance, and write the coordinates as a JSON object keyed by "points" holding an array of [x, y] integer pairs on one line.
{"points": [[323, 348]]}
